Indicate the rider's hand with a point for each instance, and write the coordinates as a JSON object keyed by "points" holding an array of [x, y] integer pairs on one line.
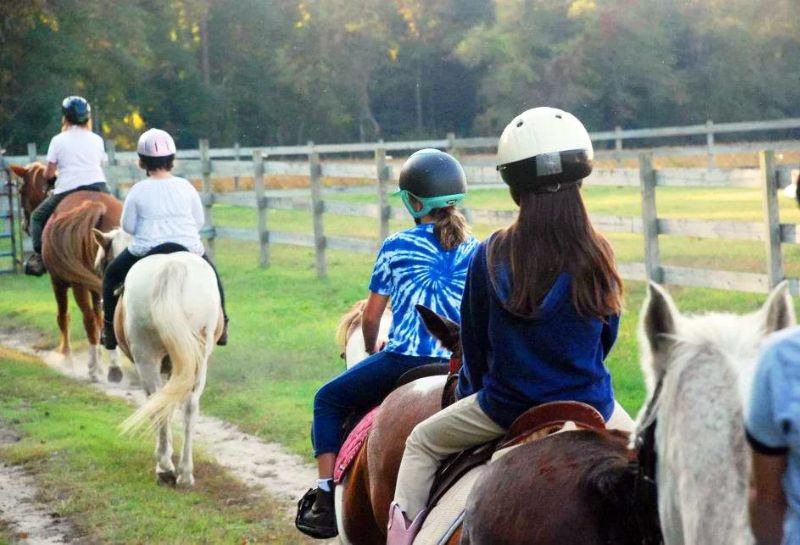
{"points": [[51, 182]]}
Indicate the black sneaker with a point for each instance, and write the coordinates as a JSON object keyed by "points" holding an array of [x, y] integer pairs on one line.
{"points": [[34, 266], [315, 514]]}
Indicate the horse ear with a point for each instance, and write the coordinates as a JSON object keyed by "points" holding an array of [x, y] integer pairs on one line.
{"points": [[447, 331], [657, 328], [778, 311], [18, 170], [102, 239]]}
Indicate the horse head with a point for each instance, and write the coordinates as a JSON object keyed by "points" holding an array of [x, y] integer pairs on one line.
{"points": [[32, 189], [699, 371], [110, 245]]}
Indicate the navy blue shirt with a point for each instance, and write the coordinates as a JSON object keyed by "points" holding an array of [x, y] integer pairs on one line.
{"points": [[514, 363]]}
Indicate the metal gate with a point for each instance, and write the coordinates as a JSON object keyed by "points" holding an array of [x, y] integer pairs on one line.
{"points": [[10, 239]]}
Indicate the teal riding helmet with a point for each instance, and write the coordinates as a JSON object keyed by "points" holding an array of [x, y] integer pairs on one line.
{"points": [[434, 178]]}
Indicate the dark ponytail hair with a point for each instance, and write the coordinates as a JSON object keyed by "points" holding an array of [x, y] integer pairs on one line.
{"points": [[450, 227], [553, 234]]}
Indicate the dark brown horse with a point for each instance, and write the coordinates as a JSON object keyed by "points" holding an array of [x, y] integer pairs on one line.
{"points": [[69, 251], [32, 189], [585, 474]]}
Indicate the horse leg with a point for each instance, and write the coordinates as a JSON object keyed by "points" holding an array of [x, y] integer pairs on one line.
{"points": [[149, 367], [60, 290], [83, 299], [191, 411]]}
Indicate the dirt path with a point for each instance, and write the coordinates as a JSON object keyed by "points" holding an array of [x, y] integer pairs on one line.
{"points": [[259, 464]]}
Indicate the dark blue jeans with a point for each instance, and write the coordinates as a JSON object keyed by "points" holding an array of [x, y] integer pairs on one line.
{"points": [[358, 389]]}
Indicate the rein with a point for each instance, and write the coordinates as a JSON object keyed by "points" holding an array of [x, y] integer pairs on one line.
{"points": [[645, 490]]}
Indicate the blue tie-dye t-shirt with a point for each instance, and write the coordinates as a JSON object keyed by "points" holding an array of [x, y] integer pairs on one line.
{"points": [[413, 268]]}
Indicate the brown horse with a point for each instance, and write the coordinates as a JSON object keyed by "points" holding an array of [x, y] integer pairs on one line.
{"points": [[69, 251], [592, 472], [32, 189]]}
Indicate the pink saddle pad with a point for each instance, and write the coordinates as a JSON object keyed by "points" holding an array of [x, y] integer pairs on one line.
{"points": [[352, 445]]}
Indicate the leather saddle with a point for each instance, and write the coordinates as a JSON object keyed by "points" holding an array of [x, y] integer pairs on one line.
{"points": [[535, 423]]}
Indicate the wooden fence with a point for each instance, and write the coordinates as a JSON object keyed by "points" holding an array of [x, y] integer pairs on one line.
{"points": [[769, 178]]}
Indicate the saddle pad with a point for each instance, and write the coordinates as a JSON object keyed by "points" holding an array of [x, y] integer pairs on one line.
{"points": [[438, 524], [352, 445]]}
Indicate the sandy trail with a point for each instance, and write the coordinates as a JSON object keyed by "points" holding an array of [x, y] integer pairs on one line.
{"points": [[260, 464]]}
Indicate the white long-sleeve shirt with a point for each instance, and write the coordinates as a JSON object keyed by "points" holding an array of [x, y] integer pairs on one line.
{"points": [[159, 210]]}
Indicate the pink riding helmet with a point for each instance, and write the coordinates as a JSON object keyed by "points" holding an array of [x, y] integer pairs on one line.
{"points": [[155, 143]]}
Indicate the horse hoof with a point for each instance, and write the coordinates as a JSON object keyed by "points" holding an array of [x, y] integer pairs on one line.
{"points": [[94, 377], [186, 482], [114, 374], [167, 478]]}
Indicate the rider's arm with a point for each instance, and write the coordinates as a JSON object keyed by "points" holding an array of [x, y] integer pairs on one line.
{"points": [[768, 441], [129, 214], [50, 172], [197, 211], [767, 499], [371, 320], [474, 327], [609, 334]]}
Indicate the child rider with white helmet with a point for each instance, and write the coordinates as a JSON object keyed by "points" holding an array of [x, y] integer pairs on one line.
{"points": [[164, 214]]}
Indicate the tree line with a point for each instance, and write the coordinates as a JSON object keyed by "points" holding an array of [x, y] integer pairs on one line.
{"points": [[265, 72]]}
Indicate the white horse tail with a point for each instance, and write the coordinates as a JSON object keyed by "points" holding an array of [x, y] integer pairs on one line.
{"points": [[186, 348]]}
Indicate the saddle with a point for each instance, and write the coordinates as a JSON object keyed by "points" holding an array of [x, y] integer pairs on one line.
{"points": [[535, 423]]}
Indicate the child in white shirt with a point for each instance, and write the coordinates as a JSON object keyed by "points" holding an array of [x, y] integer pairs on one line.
{"points": [[78, 154], [164, 214]]}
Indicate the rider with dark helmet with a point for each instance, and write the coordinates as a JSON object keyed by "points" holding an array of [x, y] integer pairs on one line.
{"points": [[424, 264], [539, 315], [78, 154]]}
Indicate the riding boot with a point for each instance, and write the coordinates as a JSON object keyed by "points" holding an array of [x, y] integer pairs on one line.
{"points": [[223, 338], [400, 530], [34, 266], [108, 338], [316, 515]]}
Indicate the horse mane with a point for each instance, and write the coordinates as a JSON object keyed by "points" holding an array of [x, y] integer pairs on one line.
{"points": [[349, 322], [69, 246]]}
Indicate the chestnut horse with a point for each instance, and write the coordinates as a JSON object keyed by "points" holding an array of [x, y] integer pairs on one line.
{"points": [[363, 497], [32, 189], [69, 251]]}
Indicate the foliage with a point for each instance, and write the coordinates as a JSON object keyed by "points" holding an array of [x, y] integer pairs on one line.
{"points": [[289, 71]]}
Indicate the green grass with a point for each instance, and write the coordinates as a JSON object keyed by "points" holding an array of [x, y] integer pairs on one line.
{"points": [[283, 318], [105, 483]]}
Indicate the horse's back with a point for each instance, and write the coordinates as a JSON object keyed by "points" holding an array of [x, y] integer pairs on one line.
{"points": [[194, 277], [574, 486], [113, 207]]}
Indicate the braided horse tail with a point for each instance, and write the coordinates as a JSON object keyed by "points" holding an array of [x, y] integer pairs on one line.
{"points": [[69, 246]]}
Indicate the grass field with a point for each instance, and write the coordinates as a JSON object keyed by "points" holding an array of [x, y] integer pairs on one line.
{"points": [[283, 318], [70, 442]]}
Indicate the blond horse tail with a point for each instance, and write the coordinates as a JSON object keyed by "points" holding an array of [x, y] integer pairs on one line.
{"points": [[69, 247], [187, 349]]}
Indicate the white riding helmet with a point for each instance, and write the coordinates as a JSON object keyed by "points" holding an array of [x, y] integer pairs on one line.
{"points": [[544, 149], [155, 143]]}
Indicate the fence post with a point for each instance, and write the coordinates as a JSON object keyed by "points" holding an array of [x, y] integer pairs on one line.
{"points": [[318, 208], [647, 181], [261, 204], [618, 146], [772, 222], [208, 196], [451, 145], [31, 152], [710, 143], [236, 152], [113, 182], [384, 211]]}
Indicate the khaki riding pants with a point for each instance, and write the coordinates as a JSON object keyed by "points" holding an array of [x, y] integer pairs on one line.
{"points": [[458, 427]]}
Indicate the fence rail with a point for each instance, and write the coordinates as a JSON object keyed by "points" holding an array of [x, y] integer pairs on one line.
{"points": [[770, 231]]}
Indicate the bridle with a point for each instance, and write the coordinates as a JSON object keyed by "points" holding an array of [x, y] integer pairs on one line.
{"points": [[645, 490]]}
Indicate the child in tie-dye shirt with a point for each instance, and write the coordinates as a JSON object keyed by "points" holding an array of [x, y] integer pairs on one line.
{"points": [[426, 264]]}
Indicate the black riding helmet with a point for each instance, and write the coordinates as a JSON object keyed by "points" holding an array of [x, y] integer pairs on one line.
{"points": [[434, 178], [76, 110]]}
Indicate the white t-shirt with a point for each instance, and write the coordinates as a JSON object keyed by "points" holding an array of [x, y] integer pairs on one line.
{"points": [[79, 154], [159, 210]]}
